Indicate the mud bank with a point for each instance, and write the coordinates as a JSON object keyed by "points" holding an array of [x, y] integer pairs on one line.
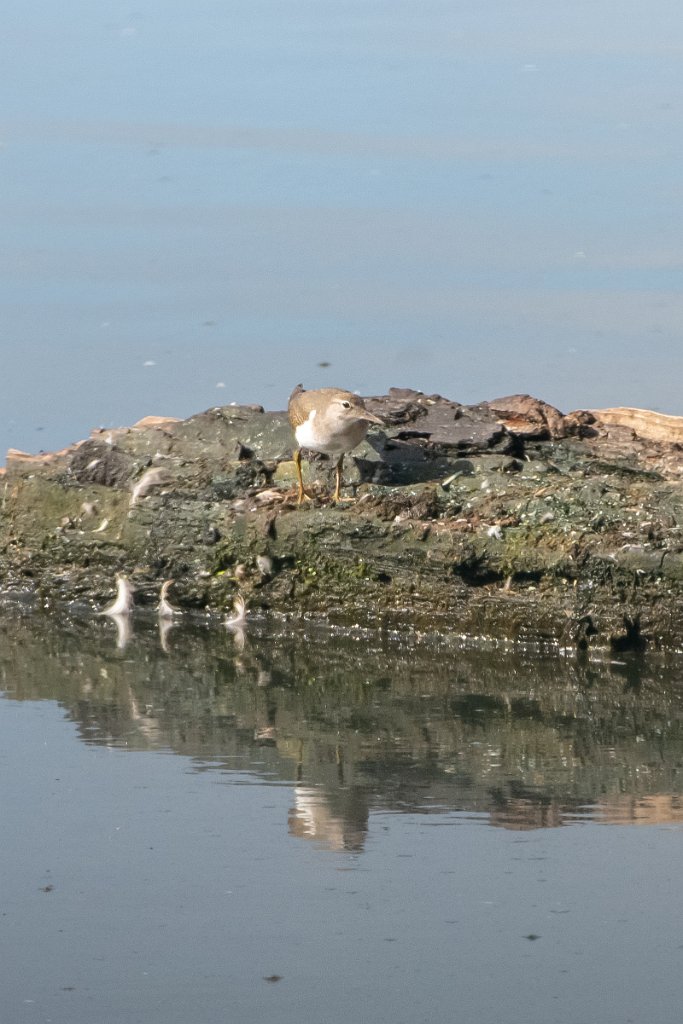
{"points": [[506, 519]]}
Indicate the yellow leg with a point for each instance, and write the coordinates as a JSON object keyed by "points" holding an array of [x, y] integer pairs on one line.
{"points": [[338, 474], [303, 493]]}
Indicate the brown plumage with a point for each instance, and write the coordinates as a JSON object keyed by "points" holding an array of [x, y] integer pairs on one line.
{"points": [[328, 420]]}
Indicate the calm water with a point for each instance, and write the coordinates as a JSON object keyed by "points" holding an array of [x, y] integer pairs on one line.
{"points": [[320, 827], [201, 202]]}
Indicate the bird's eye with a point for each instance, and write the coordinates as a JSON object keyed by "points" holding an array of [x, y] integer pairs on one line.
{"points": [[346, 405]]}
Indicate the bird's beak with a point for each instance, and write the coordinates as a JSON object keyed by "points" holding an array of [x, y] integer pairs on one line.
{"points": [[370, 417]]}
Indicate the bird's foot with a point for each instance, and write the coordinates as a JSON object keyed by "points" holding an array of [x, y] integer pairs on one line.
{"points": [[304, 495]]}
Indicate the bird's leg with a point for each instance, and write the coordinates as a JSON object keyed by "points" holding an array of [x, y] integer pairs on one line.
{"points": [[337, 490], [338, 476], [303, 493]]}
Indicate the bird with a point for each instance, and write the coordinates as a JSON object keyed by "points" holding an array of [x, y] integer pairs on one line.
{"points": [[165, 610], [157, 476], [237, 623], [123, 602], [239, 619], [264, 564], [328, 420]]}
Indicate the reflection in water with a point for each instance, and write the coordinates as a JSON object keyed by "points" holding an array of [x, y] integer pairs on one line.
{"points": [[360, 725], [165, 627], [338, 828], [237, 623], [124, 628]]}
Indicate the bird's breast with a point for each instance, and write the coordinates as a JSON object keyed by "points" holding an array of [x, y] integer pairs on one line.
{"points": [[330, 439], [306, 434]]}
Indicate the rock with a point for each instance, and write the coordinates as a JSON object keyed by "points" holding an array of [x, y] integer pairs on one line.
{"points": [[505, 519], [529, 417], [400, 405], [446, 425]]}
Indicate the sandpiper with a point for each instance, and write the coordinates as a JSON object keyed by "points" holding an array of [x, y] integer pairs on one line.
{"points": [[166, 610], [327, 420], [123, 602], [239, 619]]}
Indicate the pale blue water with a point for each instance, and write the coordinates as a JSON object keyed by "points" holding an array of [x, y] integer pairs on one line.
{"points": [[475, 198], [333, 828]]}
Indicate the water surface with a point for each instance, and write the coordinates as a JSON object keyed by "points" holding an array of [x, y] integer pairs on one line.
{"points": [[333, 827], [203, 202]]}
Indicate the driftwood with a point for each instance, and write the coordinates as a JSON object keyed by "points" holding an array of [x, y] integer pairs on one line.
{"points": [[655, 426]]}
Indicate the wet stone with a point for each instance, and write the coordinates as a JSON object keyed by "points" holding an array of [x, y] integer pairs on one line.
{"points": [[400, 405], [97, 463], [241, 477], [457, 517], [211, 535]]}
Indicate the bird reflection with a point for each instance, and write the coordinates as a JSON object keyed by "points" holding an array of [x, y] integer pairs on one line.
{"points": [[124, 629], [239, 636], [312, 817], [165, 627]]}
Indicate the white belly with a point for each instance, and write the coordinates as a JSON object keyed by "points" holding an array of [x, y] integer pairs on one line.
{"points": [[334, 444], [307, 437]]}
